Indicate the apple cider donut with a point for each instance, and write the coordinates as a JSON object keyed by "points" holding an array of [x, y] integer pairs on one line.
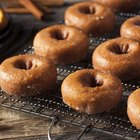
{"points": [[91, 17], [133, 108], [27, 75], [131, 28], [119, 56], [61, 44], [91, 91]]}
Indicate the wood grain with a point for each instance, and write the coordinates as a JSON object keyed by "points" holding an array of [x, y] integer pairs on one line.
{"points": [[14, 124]]}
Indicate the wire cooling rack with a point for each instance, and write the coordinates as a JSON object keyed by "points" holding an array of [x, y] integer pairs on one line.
{"points": [[50, 105]]}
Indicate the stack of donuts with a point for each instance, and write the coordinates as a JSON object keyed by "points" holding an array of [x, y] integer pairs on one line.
{"points": [[88, 90]]}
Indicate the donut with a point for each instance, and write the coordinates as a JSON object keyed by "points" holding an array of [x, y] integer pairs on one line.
{"points": [[91, 17], [91, 91], [119, 56], [133, 108], [120, 5], [131, 28], [3, 20], [27, 75], [61, 44]]}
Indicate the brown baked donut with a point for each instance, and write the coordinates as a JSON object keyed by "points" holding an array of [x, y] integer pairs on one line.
{"points": [[3, 20], [120, 5], [91, 17], [61, 44], [131, 28], [133, 108], [119, 56], [91, 91], [27, 75]]}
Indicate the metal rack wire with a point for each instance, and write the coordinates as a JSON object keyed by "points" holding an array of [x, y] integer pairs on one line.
{"points": [[50, 105]]}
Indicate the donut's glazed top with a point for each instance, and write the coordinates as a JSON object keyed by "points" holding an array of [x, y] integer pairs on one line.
{"points": [[3, 20], [131, 28], [89, 81], [118, 55], [87, 9], [120, 5], [19, 69], [121, 49], [88, 14], [61, 35]]}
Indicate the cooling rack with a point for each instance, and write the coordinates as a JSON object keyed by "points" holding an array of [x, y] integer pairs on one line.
{"points": [[50, 105]]}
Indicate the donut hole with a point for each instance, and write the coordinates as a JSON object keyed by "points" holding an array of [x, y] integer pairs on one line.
{"points": [[93, 81], [120, 48], [137, 23], [87, 10], [60, 35], [25, 65]]}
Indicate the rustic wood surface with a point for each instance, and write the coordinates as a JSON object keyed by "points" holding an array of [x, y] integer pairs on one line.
{"points": [[22, 126]]}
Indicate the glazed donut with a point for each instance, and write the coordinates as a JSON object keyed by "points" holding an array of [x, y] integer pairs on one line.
{"points": [[91, 91], [119, 56], [3, 20], [120, 5], [91, 17], [133, 108], [27, 75], [131, 28], [61, 44]]}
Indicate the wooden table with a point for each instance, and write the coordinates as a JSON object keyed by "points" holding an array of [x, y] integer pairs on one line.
{"points": [[21, 126], [17, 125]]}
